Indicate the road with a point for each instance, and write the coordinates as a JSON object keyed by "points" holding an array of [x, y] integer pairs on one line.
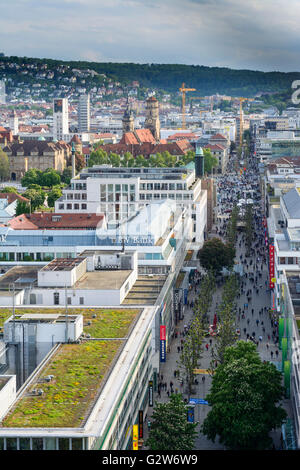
{"points": [[254, 319]]}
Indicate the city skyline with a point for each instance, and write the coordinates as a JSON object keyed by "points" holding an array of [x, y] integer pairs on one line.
{"points": [[220, 33]]}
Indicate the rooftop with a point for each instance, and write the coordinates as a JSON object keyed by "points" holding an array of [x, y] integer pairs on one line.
{"points": [[53, 221], [79, 372], [104, 280], [63, 264]]}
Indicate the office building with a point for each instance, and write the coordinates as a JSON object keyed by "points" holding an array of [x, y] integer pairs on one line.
{"points": [[120, 192], [60, 118], [84, 113]]}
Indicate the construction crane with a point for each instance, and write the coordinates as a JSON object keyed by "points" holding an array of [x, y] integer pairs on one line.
{"points": [[241, 100], [183, 90]]}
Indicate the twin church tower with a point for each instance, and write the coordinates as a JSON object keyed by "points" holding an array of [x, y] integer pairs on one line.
{"points": [[152, 118]]}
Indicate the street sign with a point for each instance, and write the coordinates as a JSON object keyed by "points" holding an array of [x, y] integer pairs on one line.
{"points": [[198, 401], [273, 279]]}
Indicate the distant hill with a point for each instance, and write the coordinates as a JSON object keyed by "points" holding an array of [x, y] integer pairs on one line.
{"points": [[169, 77]]}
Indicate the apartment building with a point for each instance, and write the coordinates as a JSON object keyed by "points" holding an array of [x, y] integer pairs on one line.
{"points": [[120, 192]]}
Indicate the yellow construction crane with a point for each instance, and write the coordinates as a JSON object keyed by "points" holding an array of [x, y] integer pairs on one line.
{"points": [[183, 90], [241, 100]]}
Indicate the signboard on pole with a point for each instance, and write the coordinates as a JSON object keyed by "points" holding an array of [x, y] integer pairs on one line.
{"points": [[141, 424], [135, 437], [150, 392], [163, 343], [271, 266]]}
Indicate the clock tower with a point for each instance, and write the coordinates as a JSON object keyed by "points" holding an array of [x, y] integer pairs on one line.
{"points": [[152, 117], [128, 120]]}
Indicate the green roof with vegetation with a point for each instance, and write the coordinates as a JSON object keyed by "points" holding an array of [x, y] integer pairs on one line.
{"points": [[78, 370]]}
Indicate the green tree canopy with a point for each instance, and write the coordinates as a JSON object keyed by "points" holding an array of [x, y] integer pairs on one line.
{"points": [[53, 195], [22, 208], [170, 429], [66, 175], [9, 189], [32, 176], [215, 255], [50, 178], [36, 197], [244, 395], [210, 161]]}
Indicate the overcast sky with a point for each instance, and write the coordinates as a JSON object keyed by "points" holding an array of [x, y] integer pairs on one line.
{"points": [[254, 34]]}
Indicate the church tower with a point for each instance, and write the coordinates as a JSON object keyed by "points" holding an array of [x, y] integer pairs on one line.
{"points": [[152, 117], [128, 120]]}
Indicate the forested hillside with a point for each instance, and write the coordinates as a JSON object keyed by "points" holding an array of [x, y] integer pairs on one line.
{"points": [[169, 77]]}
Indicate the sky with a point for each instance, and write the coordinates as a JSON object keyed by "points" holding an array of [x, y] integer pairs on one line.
{"points": [[254, 34]]}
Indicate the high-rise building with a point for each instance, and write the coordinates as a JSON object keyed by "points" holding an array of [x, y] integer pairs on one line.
{"points": [[2, 92], [152, 117], [84, 113], [60, 118]]}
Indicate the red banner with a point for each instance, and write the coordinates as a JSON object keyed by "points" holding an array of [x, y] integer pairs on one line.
{"points": [[271, 266], [163, 332]]}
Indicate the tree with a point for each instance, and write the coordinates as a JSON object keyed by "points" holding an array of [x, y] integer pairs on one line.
{"points": [[50, 178], [32, 176], [53, 195], [98, 157], [210, 161], [4, 166], [9, 189], [244, 395], [36, 197], [22, 208], [79, 161], [191, 353], [66, 175], [170, 429], [215, 255]]}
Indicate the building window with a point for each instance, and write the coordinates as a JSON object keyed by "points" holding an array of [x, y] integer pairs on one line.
{"points": [[69, 300], [37, 443], [83, 206], [77, 443], [81, 300], [76, 206], [11, 443], [61, 206], [24, 443], [69, 206], [63, 443], [56, 298], [50, 443]]}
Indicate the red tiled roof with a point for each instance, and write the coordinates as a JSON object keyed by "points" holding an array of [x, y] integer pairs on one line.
{"points": [[214, 147], [128, 138], [218, 137], [144, 135], [183, 135], [43, 220], [11, 197], [139, 136]]}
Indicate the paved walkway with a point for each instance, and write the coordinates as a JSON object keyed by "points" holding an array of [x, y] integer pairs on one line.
{"points": [[255, 321]]}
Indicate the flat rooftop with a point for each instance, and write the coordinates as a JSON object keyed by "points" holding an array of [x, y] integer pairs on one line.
{"points": [[63, 264], [104, 280], [79, 373], [45, 317], [20, 276]]}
